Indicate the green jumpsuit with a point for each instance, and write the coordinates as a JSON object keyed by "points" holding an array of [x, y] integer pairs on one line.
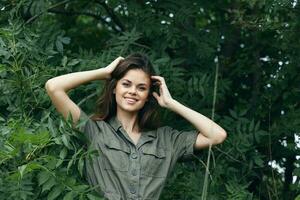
{"points": [[125, 171]]}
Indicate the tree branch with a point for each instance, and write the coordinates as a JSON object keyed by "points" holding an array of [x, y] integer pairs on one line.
{"points": [[256, 83], [70, 13], [111, 13], [44, 11]]}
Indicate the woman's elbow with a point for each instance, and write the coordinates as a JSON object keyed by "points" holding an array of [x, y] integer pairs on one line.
{"points": [[49, 85], [222, 135], [52, 86]]}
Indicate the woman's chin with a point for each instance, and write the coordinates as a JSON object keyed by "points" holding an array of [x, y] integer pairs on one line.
{"points": [[130, 108]]}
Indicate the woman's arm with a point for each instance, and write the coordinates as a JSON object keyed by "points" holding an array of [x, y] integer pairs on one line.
{"points": [[58, 87], [210, 132]]}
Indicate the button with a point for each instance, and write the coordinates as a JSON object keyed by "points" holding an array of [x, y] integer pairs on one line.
{"points": [[134, 172], [134, 156], [132, 190]]}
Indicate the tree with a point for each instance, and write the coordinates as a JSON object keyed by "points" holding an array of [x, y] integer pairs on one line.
{"points": [[246, 51]]}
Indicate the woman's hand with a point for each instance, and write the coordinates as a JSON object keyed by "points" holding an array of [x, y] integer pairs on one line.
{"points": [[164, 97], [112, 66]]}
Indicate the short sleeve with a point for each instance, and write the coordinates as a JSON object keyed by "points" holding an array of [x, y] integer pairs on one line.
{"points": [[182, 142], [86, 125]]}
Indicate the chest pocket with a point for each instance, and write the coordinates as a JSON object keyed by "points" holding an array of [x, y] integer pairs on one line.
{"points": [[116, 155], [154, 162]]}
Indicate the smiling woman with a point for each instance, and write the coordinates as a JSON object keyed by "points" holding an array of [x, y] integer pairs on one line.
{"points": [[135, 155]]}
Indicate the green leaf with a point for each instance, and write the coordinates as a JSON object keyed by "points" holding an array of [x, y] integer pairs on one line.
{"points": [[93, 197], [58, 140], [51, 127], [73, 62], [257, 126], [59, 46], [80, 165], [64, 61], [70, 195], [63, 153], [258, 161], [238, 127], [66, 141], [251, 126], [49, 184], [65, 40], [4, 53], [233, 114], [81, 188], [70, 164], [22, 170], [43, 176], [59, 162], [55, 192], [243, 112]]}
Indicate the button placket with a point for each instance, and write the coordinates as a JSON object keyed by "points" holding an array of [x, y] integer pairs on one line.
{"points": [[132, 189], [135, 162], [134, 172]]}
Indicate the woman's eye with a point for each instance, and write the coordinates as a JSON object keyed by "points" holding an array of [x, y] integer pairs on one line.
{"points": [[142, 88], [125, 84]]}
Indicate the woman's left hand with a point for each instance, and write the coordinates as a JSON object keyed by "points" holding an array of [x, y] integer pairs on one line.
{"points": [[164, 97]]}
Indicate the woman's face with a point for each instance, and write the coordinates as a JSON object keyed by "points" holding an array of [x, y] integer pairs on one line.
{"points": [[132, 91]]}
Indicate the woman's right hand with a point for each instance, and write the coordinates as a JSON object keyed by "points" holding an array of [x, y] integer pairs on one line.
{"points": [[112, 66]]}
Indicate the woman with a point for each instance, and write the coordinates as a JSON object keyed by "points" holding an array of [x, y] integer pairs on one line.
{"points": [[135, 157]]}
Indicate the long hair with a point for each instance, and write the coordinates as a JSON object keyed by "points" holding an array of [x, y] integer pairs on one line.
{"points": [[106, 104]]}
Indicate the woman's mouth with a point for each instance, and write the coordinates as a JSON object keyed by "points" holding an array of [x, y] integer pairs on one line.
{"points": [[130, 100]]}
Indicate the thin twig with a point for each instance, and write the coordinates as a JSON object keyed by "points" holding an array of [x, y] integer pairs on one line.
{"points": [[270, 151], [228, 155], [205, 184]]}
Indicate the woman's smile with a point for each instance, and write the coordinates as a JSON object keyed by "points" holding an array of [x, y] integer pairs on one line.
{"points": [[130, 100]]}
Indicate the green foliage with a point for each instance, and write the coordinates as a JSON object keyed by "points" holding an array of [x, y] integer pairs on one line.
{"points": [[257, 46], [38, 165]]}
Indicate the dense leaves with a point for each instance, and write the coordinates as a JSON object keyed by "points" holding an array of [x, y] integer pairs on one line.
{"points": [[245, 51]]}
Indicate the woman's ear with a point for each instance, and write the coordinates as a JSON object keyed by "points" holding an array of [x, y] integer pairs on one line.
{"points": [[114, 91]]}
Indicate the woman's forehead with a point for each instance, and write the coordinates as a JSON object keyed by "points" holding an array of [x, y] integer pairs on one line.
{"points": [[137, 76]]}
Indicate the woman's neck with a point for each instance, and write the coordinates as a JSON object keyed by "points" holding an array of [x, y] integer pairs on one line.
{"points": [[129, 121]]}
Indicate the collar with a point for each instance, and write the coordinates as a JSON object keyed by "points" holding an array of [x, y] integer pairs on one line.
{"points": [[116, 124]]}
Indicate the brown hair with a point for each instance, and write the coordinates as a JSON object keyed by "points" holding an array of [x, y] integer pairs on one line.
{"points": [[106, 104]]}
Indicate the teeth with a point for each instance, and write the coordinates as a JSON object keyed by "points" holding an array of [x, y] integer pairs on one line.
{"points": [[130, 100]]}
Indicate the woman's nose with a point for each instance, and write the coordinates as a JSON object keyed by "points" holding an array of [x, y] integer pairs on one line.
{"points": [[132, 90]]}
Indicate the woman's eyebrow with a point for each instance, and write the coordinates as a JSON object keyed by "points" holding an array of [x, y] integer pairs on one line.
{"points": [[131, 82]]}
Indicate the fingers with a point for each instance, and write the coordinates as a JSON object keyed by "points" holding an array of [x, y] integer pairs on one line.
{"points": [[118, 59], [114, 63], [155, 95], [111, 67], [159, 78], [160, 81], [158, 98]]}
